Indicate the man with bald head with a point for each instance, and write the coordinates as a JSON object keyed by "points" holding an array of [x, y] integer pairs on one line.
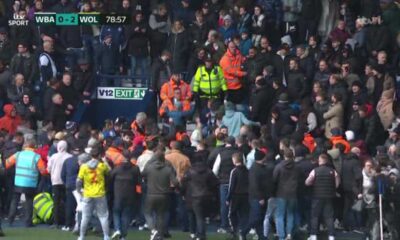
{"points": [[47, 64], [17, 89]]}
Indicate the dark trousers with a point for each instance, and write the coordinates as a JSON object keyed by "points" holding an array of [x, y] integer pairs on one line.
{"points": [[307, 28], [303, 215], [324, 207], [139, 211], [122, 214], [70, 206], [371, 215], [200, 206], [235, 96], [28, 207], [192, 220], [256, 218], [9, 190], [351, 219], [156, 209], [44, 184], [238, 209], [59, 200], [178, 212]]}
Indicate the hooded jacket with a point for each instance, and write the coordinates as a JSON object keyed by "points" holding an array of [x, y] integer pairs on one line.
{"points": [[199, 181], [56, 162], [231, 64], [160, 176], [286, 177], [8, 122], [167, 90], [259, 188], [92, 176], [234, 121], [124, 179]]}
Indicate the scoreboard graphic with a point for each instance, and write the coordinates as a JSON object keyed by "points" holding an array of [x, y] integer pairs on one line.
{"points": [[77, 19]]}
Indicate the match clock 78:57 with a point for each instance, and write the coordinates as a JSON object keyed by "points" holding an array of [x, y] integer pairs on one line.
{"points": [[116, 19]]}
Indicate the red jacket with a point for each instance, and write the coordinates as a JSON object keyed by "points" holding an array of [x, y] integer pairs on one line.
{"points": [[309, 142], [43, 152], [9, 122]]}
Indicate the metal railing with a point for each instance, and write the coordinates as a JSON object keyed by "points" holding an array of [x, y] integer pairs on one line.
{"points": [[142, 81]]}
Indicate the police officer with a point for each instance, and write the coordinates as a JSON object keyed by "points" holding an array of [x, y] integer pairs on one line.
{"points": [[325, 181], [209, 83]]}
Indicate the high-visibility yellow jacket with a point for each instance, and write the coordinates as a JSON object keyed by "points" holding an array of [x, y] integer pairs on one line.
{"points": [[209, 83], [42, 208]]}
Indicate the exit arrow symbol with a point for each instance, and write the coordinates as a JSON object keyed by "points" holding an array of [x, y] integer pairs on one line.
{"points": [[142, 93]]}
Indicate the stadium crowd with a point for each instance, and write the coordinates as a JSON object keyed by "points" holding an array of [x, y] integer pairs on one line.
{"points": [[294, 104]]}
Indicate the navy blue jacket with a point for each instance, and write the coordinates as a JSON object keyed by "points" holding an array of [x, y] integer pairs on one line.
{"points": [[69, 172]]}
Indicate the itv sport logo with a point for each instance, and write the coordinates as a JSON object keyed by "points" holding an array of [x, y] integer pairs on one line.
{"points": [[18, 20]]}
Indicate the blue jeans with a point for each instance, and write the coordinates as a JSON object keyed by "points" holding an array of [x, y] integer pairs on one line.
{"points": [[139, 212], [303, 211], [224, 209], [285, 208], [271, 208], [143, 64], [70, 206], [122, 217], [256, 218]]}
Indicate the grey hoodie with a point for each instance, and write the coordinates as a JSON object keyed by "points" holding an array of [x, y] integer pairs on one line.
{"points": [[92, 164], [160, 176], [56, 162]]}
